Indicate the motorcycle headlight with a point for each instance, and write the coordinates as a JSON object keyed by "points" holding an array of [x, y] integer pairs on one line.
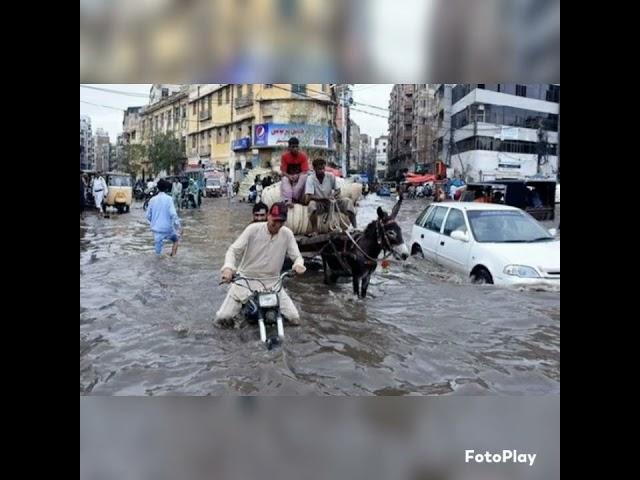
{"points": [[521, 271], [268, 300]]}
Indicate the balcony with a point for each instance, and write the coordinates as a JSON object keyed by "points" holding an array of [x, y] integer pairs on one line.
{"points": [[205, 115], [243, 101]]}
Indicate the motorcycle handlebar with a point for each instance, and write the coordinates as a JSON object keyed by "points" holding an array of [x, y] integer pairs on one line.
{"points": [[235, 277]]}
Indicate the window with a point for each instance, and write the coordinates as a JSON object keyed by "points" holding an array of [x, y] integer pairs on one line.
{"points": [[427, 219], [193, 141], [455, 221], [219, 97], [521, 90], [435, 223], [481, 86], [250, 89], [267, 118], [184, 111], [479, 113], [534, 90], [460, 91], [384, 150], [239, 91], [227, 91], [552, 94], [423, 215], [226, 134], [299, 88], [268, 85], [509, 88], [219, 140], [133, 135]]}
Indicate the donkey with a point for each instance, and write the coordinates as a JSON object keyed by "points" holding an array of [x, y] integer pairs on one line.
{"points": [[357, 258]]}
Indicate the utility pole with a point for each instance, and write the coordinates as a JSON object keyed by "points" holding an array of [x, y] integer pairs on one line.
{"points": [[542, 147], [558, 174], [348, 143], [344, 129]]}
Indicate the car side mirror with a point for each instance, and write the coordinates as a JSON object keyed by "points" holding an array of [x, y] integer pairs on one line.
{"points": [[460, 235]]}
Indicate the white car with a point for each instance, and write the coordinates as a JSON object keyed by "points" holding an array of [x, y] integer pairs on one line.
{"points": [[490, 243]]}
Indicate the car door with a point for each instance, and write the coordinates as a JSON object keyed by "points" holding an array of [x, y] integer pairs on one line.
{"points": [[453, 253], [431, 237]]}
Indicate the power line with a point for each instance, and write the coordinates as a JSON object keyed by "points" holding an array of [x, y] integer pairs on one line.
{"points": [[119, 92], [103, 106]]}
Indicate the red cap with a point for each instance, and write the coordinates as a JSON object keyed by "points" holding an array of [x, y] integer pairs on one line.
{"points": [[278, 211]]}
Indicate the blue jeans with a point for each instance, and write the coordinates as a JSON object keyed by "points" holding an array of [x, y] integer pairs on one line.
{"points": [[160, 237]]}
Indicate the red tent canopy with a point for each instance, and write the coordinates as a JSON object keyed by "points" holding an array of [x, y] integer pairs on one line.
{"points": [[415, 179]]}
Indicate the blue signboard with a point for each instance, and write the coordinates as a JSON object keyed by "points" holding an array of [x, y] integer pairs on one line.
{"points": [[278, 135], [241, 144]]}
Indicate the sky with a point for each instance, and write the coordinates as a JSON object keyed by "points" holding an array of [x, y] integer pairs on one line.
{"points": [[106, 109]]}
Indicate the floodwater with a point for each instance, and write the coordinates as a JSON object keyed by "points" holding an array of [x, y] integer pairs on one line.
{"points": [[146, 321]]}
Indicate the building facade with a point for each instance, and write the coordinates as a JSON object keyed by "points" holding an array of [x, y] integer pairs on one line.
{"points": [[86, 144], [236, 125], [166, 115], [381, 147], [503, 131], [102, 150]]}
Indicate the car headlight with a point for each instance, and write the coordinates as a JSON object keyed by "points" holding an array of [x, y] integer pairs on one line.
{"points": [[521, 271], [268, 300]]}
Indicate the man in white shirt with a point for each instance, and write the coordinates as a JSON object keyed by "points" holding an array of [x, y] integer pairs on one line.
{"points": [[259, 252], [100, 190], [320, 191]]}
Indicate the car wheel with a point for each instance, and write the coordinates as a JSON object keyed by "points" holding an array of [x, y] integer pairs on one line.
{"points": [[126, 209], [481, 276], [416, 249], [120, 209]]}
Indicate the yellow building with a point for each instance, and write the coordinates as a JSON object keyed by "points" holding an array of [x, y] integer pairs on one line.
{"points": [[168, 114], [231, 125]]}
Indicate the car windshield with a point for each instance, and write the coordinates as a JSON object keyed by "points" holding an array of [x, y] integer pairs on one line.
{"points": [[500, 226]]}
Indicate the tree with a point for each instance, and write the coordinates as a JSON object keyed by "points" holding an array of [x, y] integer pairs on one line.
{"points": [[166, 153], [133, 156]]}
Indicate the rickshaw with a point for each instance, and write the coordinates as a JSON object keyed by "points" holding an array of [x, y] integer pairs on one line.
{"points": [[120, 192]]}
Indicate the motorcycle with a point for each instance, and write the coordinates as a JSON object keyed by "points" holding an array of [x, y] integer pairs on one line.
{"points": [[138, 192], [263, 307], [189, 200], [149, 194]]}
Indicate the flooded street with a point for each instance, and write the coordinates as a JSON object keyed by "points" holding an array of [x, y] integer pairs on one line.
{"points": [[146, 322]]}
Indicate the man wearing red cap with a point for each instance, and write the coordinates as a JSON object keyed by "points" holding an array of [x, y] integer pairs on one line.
{"points": [[259, 252]]}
